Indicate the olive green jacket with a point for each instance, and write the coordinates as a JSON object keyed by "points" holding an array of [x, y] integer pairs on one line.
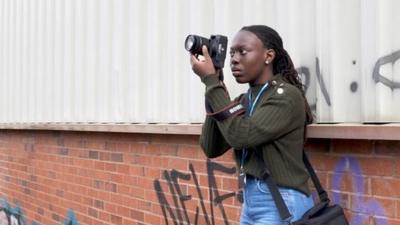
{"points": [[275, 131]]}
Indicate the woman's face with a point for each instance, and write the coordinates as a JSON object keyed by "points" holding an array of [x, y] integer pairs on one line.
{"points": [[248, 57]]}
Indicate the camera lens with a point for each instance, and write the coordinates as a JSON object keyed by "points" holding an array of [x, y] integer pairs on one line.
{"points": [[193, 44], [189, 42]]}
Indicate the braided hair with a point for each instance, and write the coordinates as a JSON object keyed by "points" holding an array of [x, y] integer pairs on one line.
{"points": [[282, 63]]}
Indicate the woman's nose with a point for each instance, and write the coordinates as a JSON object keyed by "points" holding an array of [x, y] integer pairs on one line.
{"points": [[233, 63], [234, 59]]}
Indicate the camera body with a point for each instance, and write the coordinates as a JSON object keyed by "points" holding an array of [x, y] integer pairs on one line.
{"points": [[216, 45]]}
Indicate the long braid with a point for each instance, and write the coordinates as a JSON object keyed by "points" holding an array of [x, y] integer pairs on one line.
{"points": [[282, 64], [285, 66]]}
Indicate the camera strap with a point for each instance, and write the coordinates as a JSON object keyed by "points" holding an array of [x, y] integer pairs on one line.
{"points": [[233, 109]]}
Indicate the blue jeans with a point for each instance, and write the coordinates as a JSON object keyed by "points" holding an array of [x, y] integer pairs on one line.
{"points": [[259, 208]]}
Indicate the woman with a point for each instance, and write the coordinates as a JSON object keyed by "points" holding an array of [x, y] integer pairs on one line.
{"points": [[273, 127]]}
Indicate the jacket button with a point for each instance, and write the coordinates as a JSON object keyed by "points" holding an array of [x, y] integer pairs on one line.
{"points": [[274, 82]]}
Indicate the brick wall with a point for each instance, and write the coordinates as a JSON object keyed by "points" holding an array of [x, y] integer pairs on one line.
{"points": [[107, 178]]}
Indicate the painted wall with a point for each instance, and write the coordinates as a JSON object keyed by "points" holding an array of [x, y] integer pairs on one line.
{"points": [[104, 178], [124, 61]]}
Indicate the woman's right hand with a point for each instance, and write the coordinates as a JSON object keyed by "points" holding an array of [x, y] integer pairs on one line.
{"points": [[203, 67]]}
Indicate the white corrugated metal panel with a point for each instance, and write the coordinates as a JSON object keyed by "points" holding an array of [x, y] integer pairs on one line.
{"points": [[298, 30], [124, 61], [337, 58], [381, 64]]}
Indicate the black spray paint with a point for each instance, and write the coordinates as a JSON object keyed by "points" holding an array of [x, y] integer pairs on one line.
{"points": [[322, 83], [304, 72], [177, 212], [379, 78]]}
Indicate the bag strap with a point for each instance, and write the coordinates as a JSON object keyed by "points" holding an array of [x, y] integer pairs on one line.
{"points": [[322, 194], [276, 195], [273, 187]]}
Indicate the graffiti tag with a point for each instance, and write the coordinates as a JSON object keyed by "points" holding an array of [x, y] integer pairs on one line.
{"points": [[178, 213]]}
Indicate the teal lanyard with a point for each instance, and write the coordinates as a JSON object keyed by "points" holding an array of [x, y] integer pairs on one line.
{"points": [[251, 107]]}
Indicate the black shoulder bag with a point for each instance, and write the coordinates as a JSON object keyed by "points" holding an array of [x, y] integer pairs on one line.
{"points": [[321, 213]]}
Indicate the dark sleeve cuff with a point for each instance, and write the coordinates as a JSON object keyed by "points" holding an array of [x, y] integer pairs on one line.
{"points": [[210, 80], [216, 95]]}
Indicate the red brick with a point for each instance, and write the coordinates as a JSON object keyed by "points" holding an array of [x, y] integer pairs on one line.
{"points": [[199, 167], [137, 215], [386, 187], [137, 192], [117, 178], [116, 220], [230, 184], [97, 222], [154, 173], [178, 164], [189, 152], [397, 209], [93, 212], [323, 162], [105, 216], [387, 148], [110, 167], [323, 178], [159, 149], [397, 167], [138, 148], [122, 147], [145, 183], [368, 205], [152, 219], [99, 204], [387, 221], [352, 146], [128, 180], [144, 160], [318, 145], [110, 208], [377, 166], [175, 139], [123, 211], [349, 183], [129, 222], [121, 168], [144, 205], [194, 191], [227, 158], [160, 162], [136, 170], [233, 213], [122, 189]]}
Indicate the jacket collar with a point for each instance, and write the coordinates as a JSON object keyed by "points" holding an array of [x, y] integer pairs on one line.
{"points": [[276, 79]]}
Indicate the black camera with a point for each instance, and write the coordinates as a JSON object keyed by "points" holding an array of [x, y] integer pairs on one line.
{"points": [[216, 46]]}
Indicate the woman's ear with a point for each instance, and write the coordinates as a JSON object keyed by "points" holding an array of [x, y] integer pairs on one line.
{"points": [[269, 56]]}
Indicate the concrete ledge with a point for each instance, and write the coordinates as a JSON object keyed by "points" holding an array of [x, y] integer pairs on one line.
{"points": [[190, 129], [390, 131]]}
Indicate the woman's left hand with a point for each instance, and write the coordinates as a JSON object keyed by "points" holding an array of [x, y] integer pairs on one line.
{"points": [[203, 67]]}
